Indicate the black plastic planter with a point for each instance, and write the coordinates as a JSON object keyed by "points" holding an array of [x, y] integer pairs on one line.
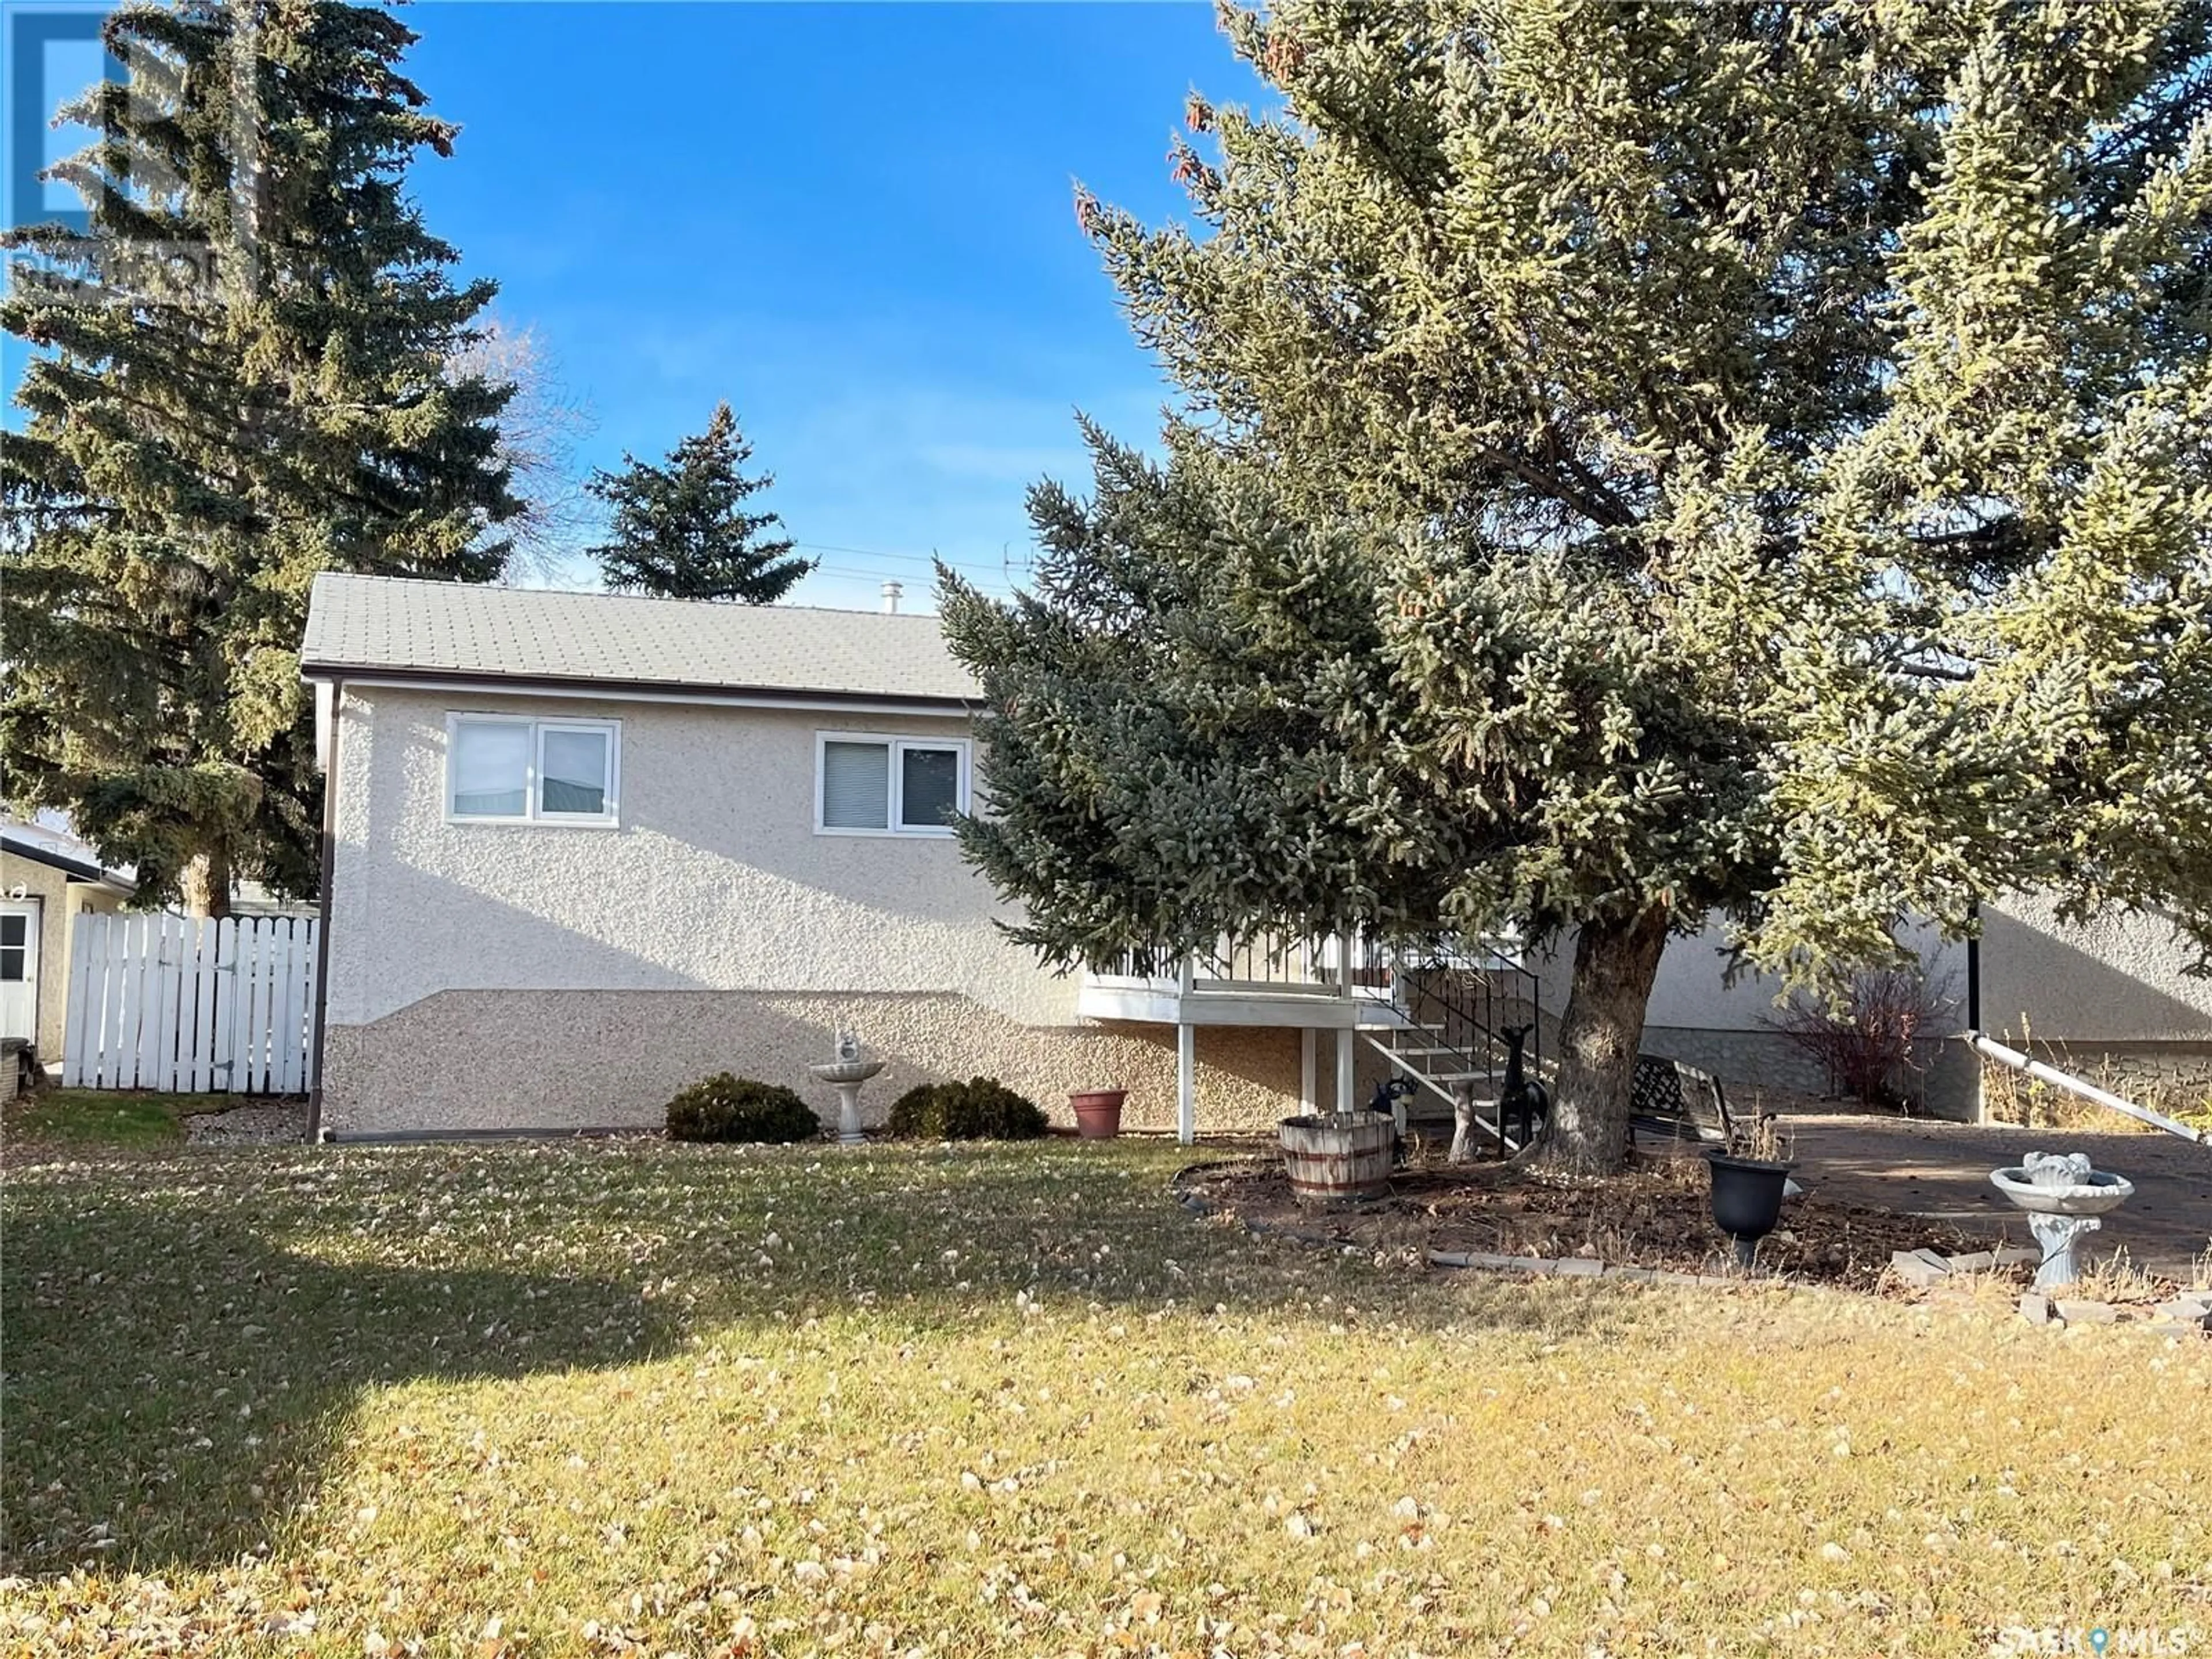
{"points": [[1747, 1200]]}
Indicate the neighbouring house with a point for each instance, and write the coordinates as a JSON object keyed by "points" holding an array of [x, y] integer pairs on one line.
{"points": [[47, 879], [583, 849]]}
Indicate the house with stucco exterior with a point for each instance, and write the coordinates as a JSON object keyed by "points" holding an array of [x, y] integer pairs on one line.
{"points": [[580, 850], [47, 879]]}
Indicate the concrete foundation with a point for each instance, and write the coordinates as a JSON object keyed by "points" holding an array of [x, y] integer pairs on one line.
{"points": [[569, 1060]]}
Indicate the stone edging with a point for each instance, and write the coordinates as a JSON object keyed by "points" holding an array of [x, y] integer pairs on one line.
{"points": [[2188, 1314], [1589, 1267]]}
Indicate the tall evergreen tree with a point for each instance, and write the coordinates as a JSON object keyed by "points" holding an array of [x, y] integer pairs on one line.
{"points": [[681, 531], [1641, 462], [240, 379]]}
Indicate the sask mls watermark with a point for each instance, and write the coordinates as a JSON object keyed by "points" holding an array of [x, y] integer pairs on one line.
{"points": [[2102, 1641], [134, 160]]}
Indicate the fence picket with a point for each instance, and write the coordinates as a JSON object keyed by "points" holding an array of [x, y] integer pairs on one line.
{"points": [[202, 1051], [111, 1013], [249, 971], [135, 1026], [287, 1078], [77, 1000], [123, 1058], [225, 971], [169, 934]]}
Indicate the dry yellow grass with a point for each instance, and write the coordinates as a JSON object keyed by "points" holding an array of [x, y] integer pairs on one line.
{"points": [[592, 1399]]}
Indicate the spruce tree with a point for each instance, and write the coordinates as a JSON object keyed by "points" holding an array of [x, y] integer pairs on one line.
{"points": [[681, 531], [240, 380], [1637, 462]]}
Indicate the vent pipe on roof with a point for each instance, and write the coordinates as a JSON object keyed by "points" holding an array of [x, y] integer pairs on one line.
{"points": [[892, 591]]}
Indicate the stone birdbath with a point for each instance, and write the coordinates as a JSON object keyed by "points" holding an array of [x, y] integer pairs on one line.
{"points": [[2064, 1197], [848, 1073]]}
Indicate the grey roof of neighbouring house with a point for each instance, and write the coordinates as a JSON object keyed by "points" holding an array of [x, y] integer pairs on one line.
{"points": [[382, 627], [28, 842]]}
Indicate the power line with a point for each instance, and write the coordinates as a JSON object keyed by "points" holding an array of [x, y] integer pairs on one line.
{"points": [[847, 573], [1001, 565]]}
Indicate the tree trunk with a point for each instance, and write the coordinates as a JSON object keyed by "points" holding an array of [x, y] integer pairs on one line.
{"points": [[1616, 962], [206, 883]]}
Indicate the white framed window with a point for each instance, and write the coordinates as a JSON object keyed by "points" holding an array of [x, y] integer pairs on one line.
{"points": [[512, 768], [871, 784]]}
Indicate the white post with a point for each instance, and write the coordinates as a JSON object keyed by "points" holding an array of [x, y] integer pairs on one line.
{"points": [[1186, 1082], [1345, 1034], [1309, 1071]]}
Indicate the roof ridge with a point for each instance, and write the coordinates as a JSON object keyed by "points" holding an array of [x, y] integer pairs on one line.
{"points": [[433, 583]]}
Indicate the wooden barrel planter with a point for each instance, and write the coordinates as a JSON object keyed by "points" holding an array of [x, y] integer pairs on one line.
{"points": [[1338, 1160]]}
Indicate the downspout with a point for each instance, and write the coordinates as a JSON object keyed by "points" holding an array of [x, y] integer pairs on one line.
{"points": [[323, 897], [1974, 971]]}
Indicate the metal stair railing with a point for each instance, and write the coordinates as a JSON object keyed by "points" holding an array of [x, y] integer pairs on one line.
{"points": [[1456, 998]]}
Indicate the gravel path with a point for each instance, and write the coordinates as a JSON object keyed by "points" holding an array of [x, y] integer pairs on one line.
{"points": [[276, 1124]]}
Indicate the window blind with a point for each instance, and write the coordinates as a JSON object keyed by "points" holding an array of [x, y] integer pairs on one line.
{"points": [[856, 786]]}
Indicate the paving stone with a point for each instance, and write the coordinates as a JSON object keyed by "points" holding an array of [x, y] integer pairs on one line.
{"points": [[1643, 1273], [2079, 1310], [2186, 1310], [2182, 1329], [1973, 1262], [1581, 1266], [1668, 1276], [2035, 1307], [1919, 1268], [2013, 1255], [1448, 1258]]}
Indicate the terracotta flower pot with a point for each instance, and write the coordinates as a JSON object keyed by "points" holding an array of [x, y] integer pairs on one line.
{"points": [[1097, 1112]]}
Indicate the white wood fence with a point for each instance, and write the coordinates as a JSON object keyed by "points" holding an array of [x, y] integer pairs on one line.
{"points": [[167, 1002]]}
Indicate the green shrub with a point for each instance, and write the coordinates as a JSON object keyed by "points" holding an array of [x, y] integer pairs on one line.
{"points": [[982, 1108], [726, 1107]]}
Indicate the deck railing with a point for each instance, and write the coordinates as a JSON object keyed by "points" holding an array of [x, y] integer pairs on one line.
{"points": [[1331, 964]]}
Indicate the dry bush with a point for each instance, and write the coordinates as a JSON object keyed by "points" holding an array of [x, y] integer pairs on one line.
{"points": [[1868, 1041]]}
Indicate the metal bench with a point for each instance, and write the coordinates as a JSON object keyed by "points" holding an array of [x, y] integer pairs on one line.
{"points": [[1672, 1097]]}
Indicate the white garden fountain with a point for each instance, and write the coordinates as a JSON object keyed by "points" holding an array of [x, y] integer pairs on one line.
{"points": [[2064, 1197], [848, 1073]]}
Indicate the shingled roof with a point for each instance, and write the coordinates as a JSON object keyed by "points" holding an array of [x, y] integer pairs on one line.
{"points": [[382, 627]]}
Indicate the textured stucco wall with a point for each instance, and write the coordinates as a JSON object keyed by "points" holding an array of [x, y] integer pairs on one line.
{"points": [[1692, 991], [61, 901], [715, 881], [2111, 996], [552, 1059], [535, 976], [2116, 979]]}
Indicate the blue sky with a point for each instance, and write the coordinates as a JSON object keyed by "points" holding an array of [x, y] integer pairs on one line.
{"points": [[854, 222]]}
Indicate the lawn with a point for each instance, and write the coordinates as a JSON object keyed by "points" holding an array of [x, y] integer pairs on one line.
{"points": [[126, 1121], [628, 1397]]}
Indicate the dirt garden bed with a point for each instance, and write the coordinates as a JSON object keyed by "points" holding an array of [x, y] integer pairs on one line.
{"points": [[1657, 1216]]}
